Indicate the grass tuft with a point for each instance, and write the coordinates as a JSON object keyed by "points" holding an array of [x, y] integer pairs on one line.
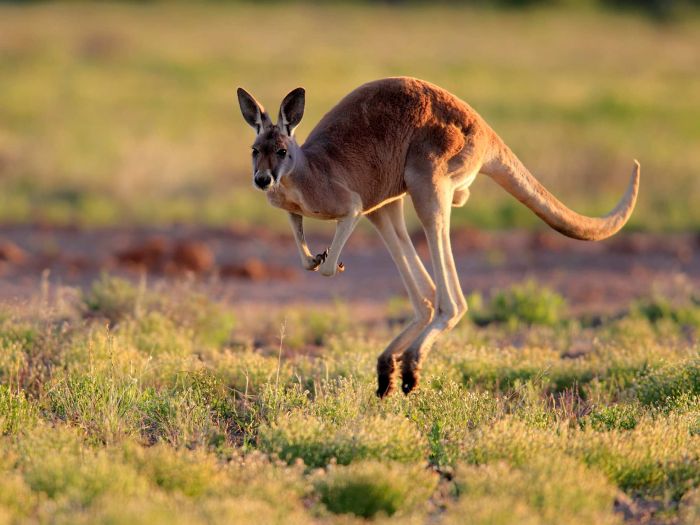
{"points": [[529, 303], [318, 442], [371, 488]]}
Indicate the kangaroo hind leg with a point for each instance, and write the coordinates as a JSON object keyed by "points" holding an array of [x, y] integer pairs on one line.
{"points": [[389, 222], [432, 202]]}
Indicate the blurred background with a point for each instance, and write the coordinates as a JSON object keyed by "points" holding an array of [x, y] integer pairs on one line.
{"points": [[109, 109], [124, 115]]}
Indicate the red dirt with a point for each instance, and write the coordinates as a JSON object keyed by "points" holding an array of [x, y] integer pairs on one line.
{"points": [[259, 266]]}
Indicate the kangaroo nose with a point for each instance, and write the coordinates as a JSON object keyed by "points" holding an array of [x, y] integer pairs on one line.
{"points": [[262, 180]]}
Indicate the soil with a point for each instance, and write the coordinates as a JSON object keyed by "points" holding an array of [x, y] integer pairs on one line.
{"points": [[256, 266]]}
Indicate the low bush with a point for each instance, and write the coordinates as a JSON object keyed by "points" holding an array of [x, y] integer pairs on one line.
{"points": [[369, 488], [529, 303], [318, 442], [544, 490]]}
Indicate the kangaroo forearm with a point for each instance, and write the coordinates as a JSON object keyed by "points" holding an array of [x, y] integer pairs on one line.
{"points": [[297, 223]]}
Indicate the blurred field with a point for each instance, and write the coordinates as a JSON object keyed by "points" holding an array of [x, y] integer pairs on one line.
{"points": [[127, 114]]}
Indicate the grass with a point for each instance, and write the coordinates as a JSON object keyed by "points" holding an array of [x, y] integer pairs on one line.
{"points": [[116, 413], [544, 490], [526, 303], [366, 489], [110, 107]]}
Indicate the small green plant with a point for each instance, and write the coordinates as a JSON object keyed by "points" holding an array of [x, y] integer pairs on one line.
{"points": [[529, 303], [662, 387], [16, 411], [195, 412], [58, 463], [369, 488], [622, 417], [545, 490], [118, 300], [112, 298], [658, 458], [106, 406], [209, 322], [446, 414], [311, 327], [319, 442], [684, 312], [191, 473]]}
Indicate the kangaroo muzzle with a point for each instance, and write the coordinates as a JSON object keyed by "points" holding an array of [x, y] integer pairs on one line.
{"points": [[263, 180]]}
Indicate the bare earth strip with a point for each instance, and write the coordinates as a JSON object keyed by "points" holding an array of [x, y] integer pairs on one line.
{"points": [[259, 267]]}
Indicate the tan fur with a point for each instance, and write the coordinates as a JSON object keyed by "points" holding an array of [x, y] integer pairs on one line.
{"points": [[389, 138]]}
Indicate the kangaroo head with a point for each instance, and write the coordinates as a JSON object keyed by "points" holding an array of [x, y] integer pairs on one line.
{"points": [[274, 147]]}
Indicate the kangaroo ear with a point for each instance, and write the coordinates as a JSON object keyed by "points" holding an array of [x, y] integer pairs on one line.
{"points": [[291, 111], [253, 112]]}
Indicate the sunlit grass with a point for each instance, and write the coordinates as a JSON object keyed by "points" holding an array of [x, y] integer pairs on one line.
{"points": [[117, 407]]}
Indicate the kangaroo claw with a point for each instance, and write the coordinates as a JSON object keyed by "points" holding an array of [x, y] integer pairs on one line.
{"points": [[321, 257]]}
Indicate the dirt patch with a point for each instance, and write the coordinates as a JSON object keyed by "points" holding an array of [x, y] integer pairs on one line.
{"points": [[160, 255], [259, 266], [256, 270], [11, 253]]}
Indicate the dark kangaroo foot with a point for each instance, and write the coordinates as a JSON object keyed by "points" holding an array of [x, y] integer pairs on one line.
{"points": [[321, 257], [385, 375], [409, 375]]}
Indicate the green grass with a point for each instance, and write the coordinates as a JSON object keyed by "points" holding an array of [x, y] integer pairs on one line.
{"points": [[118, 408], [107, 108], [527, 303], [545, 490], [366, 489]]}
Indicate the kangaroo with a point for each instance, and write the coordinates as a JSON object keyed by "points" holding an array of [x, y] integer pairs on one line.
{"points": [[386, 139]]}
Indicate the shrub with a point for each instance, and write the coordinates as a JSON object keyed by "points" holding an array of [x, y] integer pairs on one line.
{"points": [[550, 489], [187, 416], [369, 488], [659, 457], [514, 440], [57, 462], [209, 322], [318, 442], [153, 333], [662, 387], [192, 473], [117, 300], [106, 406], [529, 303], [310, 326], [446, 413], [112, 298], [622, 417], [16, 412], [507, 368], [685, 312], [16, 497]]}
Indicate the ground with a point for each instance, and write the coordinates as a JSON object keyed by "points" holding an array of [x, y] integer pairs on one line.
{"points": [[141, 399], [254, 266]]}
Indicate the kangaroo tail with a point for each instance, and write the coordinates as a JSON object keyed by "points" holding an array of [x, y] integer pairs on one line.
{"points": [[507, 170]]}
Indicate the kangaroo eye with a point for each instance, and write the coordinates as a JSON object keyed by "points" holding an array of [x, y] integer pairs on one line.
{"points": [[282, 153], [255, 152]]}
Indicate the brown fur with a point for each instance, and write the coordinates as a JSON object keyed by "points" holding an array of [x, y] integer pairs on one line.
{"points": [[383, 140]]}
